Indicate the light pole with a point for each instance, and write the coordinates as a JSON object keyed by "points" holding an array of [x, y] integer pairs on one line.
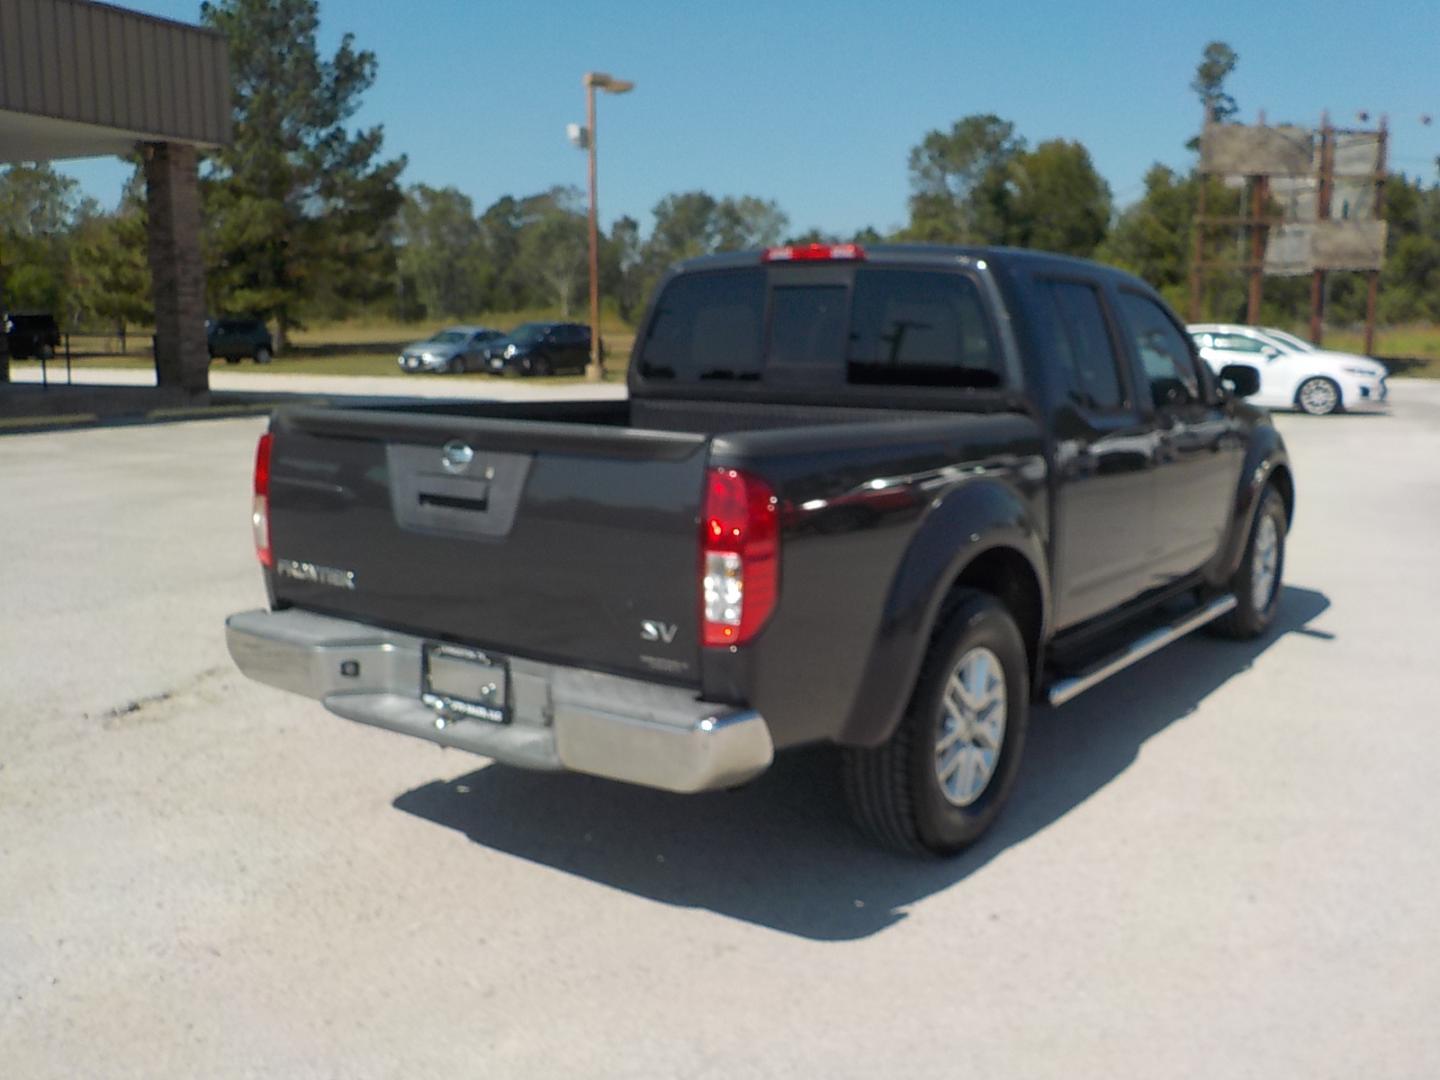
{"points": [[595, 80]]}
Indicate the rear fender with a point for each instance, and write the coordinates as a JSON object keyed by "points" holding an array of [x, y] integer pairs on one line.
{"points": [[980, 517]]}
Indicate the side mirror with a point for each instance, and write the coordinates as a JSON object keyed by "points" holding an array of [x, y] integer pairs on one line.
{"points": [[1241, 379], [1272, 353]]}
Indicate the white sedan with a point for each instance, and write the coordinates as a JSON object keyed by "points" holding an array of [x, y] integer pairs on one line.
{"points": [[1293, 373]]}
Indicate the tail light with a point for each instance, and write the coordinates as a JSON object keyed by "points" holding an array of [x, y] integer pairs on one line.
{"points": [[815, 253], [260, 507], [740, 557]]}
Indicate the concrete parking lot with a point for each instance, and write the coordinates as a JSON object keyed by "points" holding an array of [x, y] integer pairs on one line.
{"points": [[1222, 863]]}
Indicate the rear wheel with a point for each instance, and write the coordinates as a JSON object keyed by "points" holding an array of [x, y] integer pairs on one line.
{"points": [[1318, 396], [942, 777], [1256, 584], [262, 355]]}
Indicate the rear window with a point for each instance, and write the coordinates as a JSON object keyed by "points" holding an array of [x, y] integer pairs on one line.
{"points": [[707, 326], [889, 327]]}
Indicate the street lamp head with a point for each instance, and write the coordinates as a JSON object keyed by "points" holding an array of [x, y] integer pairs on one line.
{"points": [[601, 81]]}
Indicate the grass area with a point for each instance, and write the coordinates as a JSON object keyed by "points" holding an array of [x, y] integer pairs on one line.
{"points": [[355, 347], [369, 347], [1420, 341]]}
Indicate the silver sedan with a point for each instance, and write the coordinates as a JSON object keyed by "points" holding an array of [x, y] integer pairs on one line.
{"points": [[455, 349]]}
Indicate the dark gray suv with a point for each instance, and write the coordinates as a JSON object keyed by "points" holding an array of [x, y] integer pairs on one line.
{"points": [[541, 348], [235, 337]]}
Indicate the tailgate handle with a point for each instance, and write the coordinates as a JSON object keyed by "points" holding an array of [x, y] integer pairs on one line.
{"points": [[478, 504]]}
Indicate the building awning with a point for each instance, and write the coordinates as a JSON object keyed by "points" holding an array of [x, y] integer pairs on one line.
{"points": [[81, 79]]}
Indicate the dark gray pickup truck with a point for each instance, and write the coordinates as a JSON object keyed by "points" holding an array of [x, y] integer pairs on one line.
{"points": [[882, 498]]}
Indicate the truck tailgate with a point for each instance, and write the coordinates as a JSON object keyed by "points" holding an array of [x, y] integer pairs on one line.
{"points": [[555, 541]]}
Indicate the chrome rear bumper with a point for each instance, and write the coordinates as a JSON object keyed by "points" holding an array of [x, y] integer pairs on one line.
{"points": [[561, 717]]}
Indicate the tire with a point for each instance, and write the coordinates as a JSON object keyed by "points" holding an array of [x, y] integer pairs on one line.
{"points": [[541, 367], [232, 359], [1318, 396], [455, 366], [262, 355], [1257, 594], [895, 791]]}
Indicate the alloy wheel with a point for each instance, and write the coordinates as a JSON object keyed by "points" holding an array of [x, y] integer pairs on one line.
{"points": [[972, 726]]}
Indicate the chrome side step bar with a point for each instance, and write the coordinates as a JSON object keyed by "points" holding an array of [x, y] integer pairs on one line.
{"points": [[1063, 690]]}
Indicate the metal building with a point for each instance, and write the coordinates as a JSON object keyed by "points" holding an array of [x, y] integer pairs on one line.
{"points": [[82, 79]]}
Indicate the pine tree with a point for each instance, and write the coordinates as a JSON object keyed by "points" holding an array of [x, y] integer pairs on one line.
{"points": [[298, 207]]}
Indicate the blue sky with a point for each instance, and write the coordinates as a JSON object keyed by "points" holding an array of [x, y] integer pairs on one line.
{"points": [[816, 105]]}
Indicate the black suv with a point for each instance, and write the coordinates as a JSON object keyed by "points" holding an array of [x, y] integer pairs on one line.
{"points": [[540, 348], [32, 336], [234, 338]]}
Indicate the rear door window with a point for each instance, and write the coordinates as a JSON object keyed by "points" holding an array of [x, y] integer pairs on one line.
{"points": [[1084, 347]]}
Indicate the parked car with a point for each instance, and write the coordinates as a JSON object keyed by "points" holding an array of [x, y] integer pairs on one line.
{"points": [[883, 499], [234, 338], [541, 348], [455, 349], [32, 335], [1293, 373]]}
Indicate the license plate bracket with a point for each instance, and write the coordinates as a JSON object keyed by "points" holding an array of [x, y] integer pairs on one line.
{"points": [[461, 683]]}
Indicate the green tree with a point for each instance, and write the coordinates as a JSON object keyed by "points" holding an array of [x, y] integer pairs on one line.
{"points": [[620, 275], [299, 206], [813, 235], [959, 181], [748, 222], [441, 251], [109, 267], [1057, 201], [38, 207], [1216, 64], [501, 281], [554, 246], [1151, 238], [36, 202], [684, 227], [692, 223], [1410, 281]]}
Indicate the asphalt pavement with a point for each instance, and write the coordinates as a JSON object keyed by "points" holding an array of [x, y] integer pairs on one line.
{"points": [[1221, 863]]}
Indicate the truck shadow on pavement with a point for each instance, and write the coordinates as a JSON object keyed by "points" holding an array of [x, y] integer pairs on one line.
{"points": [[781, 852]]}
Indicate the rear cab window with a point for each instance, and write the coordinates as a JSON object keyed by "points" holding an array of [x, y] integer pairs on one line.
{"points": [[861, 326]]}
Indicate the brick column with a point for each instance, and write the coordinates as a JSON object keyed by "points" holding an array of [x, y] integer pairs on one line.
{"points": [[173, 197], [4, 346]]}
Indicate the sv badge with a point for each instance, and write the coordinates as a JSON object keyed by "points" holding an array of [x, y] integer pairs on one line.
{"points": [[654, 630]]}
